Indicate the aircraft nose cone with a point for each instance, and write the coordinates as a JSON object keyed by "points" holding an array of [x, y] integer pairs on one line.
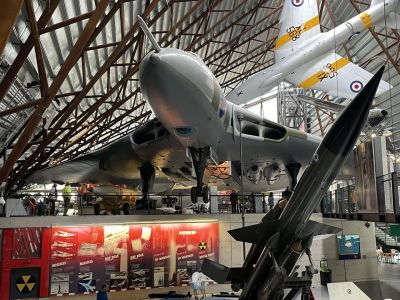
{"points": [[155, 58], [384, 113]]}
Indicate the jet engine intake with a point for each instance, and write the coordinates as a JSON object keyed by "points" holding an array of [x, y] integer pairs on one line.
{"points": [[272, 173]]}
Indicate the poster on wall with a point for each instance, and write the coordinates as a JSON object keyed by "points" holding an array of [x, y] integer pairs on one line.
{"points": [[129, 256], [77, 259], [140, 249], [116, 255], [179, 250], [349, 246], [91, 258], [194, 242], [27, 243], [364, 199], [64, 267]]}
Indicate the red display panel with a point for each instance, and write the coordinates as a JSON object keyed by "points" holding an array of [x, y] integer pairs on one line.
{"points": [[13, 262], [79, 259]]}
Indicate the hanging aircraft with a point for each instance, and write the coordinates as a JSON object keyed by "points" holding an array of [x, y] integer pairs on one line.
{"points": [[283, 236], [304, 56]]}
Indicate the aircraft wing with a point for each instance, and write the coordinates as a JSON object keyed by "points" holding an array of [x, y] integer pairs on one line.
{"points": [[118, 162], [334, 75]]}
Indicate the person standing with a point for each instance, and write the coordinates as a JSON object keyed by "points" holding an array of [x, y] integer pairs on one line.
{"points": [[271, 200], [52, 199], [234, 201], [67, 197], [102, 294]]}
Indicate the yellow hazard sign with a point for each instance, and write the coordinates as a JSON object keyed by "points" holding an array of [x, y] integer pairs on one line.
{"points": [[203, 246], [25, 283]]}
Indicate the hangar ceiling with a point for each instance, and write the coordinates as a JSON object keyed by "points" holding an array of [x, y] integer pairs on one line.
{"points": [[69, 69]]}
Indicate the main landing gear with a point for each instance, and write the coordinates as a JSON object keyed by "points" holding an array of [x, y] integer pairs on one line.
{"points": [[199, 159], [293, 171], [147, 174]]}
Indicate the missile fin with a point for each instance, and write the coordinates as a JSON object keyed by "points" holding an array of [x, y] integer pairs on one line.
{"points": [[255, 233], [318, 229], [218, 272]]}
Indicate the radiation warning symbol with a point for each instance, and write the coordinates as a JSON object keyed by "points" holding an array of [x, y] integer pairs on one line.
{"points": [[25, 284], [203, 246]]}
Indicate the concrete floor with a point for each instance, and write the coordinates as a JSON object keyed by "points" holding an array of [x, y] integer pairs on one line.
{"points": [[387, 287]]}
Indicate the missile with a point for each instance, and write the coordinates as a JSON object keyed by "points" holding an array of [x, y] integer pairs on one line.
{"points": [[311, 63], [283, 236]]}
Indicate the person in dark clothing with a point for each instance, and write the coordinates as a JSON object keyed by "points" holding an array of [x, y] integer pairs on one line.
{"points": [[252, 202], [52, 199], [286, 193], [271, 200], [102, 294], [234, 201]]}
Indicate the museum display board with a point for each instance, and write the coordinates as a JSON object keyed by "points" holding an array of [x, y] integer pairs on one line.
{"points": [[349, 246], [80, 259]]}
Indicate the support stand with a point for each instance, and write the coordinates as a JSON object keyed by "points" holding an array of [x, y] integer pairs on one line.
{"points": [[199, 159]]}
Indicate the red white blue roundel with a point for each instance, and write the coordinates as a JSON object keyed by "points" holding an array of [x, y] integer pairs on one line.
{"points": [[297, 3], [356, 86]]}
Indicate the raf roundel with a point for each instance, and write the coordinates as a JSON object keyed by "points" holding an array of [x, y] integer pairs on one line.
{"points": [[297, 3], [356, 86]]}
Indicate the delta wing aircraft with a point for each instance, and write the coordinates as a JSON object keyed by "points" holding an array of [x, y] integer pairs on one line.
{"points": [[304, 56], [195, 127]]}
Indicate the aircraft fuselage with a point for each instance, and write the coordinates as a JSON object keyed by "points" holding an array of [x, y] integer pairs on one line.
{"points": [[185, 96], [314, 49]]}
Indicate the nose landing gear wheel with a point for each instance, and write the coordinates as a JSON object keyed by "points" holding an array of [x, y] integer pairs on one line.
{"points": [[193, 194], [206, 194]]}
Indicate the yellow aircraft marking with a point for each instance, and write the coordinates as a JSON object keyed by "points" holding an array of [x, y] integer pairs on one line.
{"points": [[366, 19], [316, 78], [304, 27]]}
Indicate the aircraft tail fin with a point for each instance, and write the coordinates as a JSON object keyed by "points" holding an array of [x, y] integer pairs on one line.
{"points": [[318, 229], [149, 35], [220, 273], [299, 24], [255, 233]]}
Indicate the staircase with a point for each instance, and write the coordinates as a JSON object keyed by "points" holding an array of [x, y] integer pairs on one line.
{"points": [[385, 240]]}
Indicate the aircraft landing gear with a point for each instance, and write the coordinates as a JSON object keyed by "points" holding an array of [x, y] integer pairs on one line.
{"points": [[147, 174], [293, 172], [199, 159]]}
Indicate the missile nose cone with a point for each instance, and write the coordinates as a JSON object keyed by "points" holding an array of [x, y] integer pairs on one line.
{"points": [[384, 112], [345, 130]]}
